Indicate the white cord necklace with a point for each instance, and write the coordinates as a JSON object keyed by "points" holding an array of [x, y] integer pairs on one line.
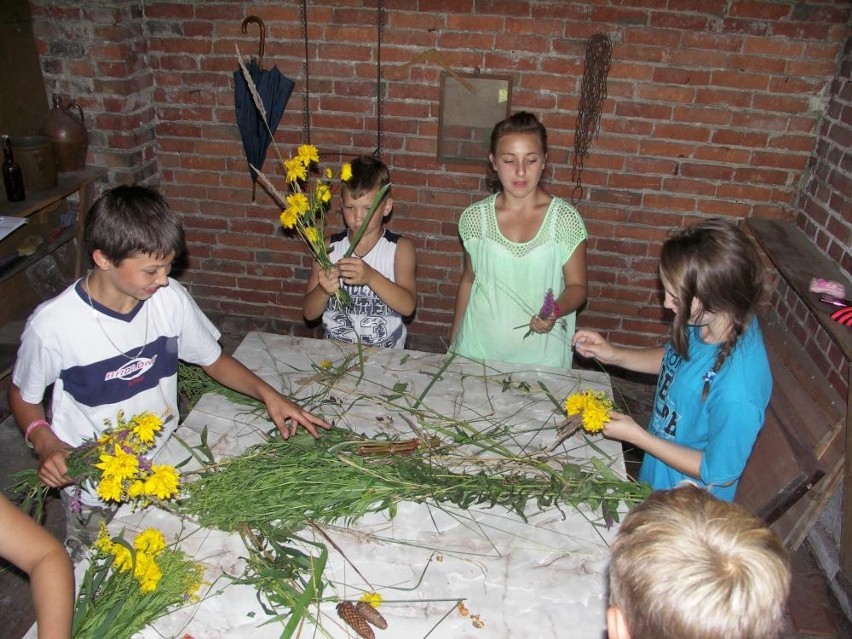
{"points": [[103, 330]]}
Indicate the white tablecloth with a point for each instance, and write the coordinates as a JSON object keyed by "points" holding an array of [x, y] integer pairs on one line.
{"points": [[542, 578]]}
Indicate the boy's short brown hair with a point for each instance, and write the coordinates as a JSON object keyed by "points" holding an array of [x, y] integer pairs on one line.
{"points": [[131, 220], [368, 173], [686, 565]]}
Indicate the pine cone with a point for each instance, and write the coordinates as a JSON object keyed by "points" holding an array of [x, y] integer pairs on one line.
{"points": [[347, 612], [371, 614]]}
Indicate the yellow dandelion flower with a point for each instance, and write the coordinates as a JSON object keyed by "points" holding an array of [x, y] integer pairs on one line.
{"points": [[328, 173], [122, 560], [295, 170], [288, 217], [372, 598], [136, 489], [110, 489], [346, 172], [307, 153], [150, 541], [323, 193], [325, 364], [311, 234], [121, 465], [147, 572], [163, 481], [594, 406], [146, 426], [299, 202]]}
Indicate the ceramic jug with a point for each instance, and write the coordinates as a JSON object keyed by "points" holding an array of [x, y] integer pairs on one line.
{"points": [[68, 133]]}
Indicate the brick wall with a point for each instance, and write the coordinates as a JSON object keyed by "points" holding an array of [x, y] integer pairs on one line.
{"points": [[714, 108], [824, 212]]}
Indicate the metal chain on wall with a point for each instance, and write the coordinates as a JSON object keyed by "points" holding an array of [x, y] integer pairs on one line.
{"points": [[380, 31], [592, 97], [306, 96]]}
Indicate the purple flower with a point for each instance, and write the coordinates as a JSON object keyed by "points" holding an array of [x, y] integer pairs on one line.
{"points": [[76, 501], [547, 307]]}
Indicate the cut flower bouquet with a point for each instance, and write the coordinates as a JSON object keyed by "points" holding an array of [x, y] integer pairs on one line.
{"points": [[113, 466], [308, 194], [126, 587]]}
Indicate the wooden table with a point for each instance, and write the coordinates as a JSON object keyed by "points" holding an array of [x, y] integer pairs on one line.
{"points": [[542, 578]]}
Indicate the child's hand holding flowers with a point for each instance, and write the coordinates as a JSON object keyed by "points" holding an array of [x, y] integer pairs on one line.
{"points": [[546, 318], [113, 466]]}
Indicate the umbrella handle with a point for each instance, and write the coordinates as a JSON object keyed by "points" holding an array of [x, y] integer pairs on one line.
{"points": [[262, 26]]}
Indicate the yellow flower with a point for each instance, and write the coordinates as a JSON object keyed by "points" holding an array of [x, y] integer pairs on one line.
{"points": [[121, 558], [307, 153], [325, 364], [328, 173], [288, 217], [146, 426], [136, 489], [295, 170], [150, 541], [299, 202], [110, 489], [121, 465], [311, 234], [324, 193], [372, 598], [147, 572], [103, 542], [594, 406], [346, 172], [163, 481]]}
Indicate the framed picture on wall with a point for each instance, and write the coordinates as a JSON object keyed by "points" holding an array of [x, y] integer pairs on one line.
{"points": [[471, 104]]}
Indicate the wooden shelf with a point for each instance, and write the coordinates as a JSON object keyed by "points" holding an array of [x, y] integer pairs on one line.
{"points": [[79, 182]]}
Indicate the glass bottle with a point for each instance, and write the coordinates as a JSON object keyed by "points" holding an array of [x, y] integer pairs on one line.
{"points": [[13, 179]]}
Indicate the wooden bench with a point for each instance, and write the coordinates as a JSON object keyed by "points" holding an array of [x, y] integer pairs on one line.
{"points": [[798, 460]]}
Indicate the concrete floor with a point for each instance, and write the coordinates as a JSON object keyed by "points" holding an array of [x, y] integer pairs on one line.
{"points": [[16, 613]]}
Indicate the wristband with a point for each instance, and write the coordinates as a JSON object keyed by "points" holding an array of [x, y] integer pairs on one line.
{"points": [[33, 425]]}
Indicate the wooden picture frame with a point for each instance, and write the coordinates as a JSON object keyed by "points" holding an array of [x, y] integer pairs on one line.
{"points": [[471, 104]]}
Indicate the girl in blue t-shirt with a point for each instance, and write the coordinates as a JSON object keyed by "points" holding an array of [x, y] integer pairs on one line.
{"points": [[714, 381]]}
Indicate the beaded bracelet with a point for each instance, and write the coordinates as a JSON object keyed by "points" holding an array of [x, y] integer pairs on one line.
{"points": [[33, 425]]}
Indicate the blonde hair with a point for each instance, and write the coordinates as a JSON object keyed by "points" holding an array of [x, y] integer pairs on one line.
{"points": [[686, 565]]}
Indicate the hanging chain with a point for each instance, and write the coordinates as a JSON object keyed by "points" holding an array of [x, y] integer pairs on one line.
{"points": [[306, 97], [380, 31], [592, 97]]}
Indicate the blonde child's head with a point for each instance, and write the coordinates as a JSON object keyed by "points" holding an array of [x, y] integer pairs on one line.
{"points": [[686, 565]]}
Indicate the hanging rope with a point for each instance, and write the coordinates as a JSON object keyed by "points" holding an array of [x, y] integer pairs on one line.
{"points": [[306, 97], [380, 32], [592, 97]]}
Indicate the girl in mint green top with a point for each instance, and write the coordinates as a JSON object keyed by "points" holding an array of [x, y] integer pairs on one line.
{"points": [[518, 244]]}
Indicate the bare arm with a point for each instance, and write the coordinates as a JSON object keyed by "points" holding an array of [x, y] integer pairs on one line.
{"points": [[573, 296], [462, 295], [642, 360], [42, 557], [399, 295], [51, 450], [682, 458], [287, 415], [321, 286]]}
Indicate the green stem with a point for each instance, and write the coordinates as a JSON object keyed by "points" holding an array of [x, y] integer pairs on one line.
{"points": [[379, 197]]}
